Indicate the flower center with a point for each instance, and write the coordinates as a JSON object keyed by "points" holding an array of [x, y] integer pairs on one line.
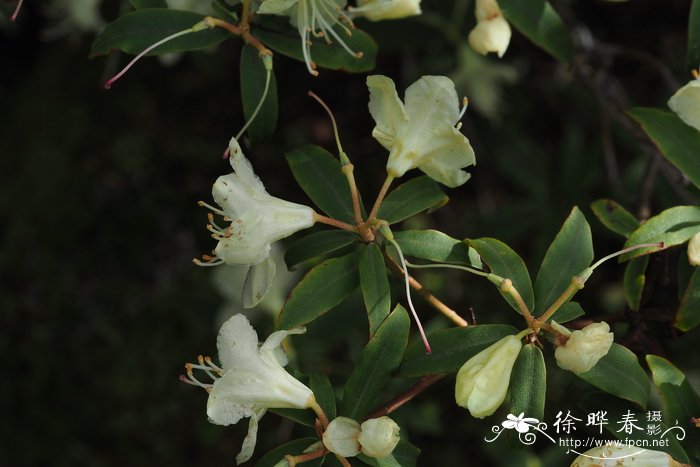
{"points": [[205, 364]]}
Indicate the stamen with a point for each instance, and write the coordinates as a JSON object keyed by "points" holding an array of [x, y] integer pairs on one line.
{"points": [[201, 366], [195, 381], [340, 40], [13, 18], [212, 208], [210, 217], [213, 365], [207, 263], [304, 29], [465, 104]]}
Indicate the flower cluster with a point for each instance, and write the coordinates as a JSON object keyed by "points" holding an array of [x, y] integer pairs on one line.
{"points": [[376, 437]]}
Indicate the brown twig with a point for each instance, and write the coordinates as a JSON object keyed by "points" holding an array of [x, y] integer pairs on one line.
{"points": [[424, 383]]}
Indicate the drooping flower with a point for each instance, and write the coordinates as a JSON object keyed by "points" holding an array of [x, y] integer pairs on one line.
{"points": [[482, 382], [686, 102], [624, 456], [584, 348], [377, 10], [250, 380], [314, 18], [492, 31], [379, 437], [694, 250], [422, 133]]}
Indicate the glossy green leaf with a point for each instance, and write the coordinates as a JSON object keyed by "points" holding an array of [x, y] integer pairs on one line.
{"points": [[528, 383], [693, 53], [301, 416], [293, 448], [689, 310], [433, 246], [567, 312], [619, 374], [321, 289], [672, 226], [277, 34], [451, 348], [323, 391], [569, 254], [538, 21], [317, 244], [321, 178], [375, 286], [634, 281], [379, 359], [615, 217], [148, 4], [616, 410], [135, 31], [253, 78], [416, 195], [678, 142], [505, 262], [257, 282]]}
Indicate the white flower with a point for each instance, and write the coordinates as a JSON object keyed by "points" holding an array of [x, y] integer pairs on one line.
{"points": [[313, 18], [482, 382], [422, 133], [379, 437], [624, 456], [376, 10], [686, 103], [584, 348], [73, 16], [492, 32], [250, 380], [341, 436], [257, 219], [694, 250]]}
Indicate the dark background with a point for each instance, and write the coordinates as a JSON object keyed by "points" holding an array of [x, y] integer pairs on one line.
{"points": [[100, 305]]}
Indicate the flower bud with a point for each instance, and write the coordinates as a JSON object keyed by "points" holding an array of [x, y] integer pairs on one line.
{"points": [[379, 437], [341, 437], [686, 103], [482, 382], [376, 10], [584, 348], [492, 32], [624, 456], [694, 250]]}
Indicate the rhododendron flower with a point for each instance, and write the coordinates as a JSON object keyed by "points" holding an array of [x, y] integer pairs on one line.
{"points": [[584, 348], [376, 10], [251, 379], [492, 31], [686, 102], [422, 133]]}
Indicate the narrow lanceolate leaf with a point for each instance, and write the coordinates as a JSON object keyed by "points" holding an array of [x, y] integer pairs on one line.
{"points": [[293, 448], [528, 383], [319, 175], [416, 195], [375, 286], [538, 21], [277, 34], [569, 254], [148, 3], [672, 227], [380, 358], [505, 262], [321, 289], [323, 392], [432, 245], [678, 142], [634, 281], [693, 55], [568, 312], [451, 348], [253, 78], [317, 244], [689, 311], [680, 401], [136, 30], [615, 217], [619, 374]]}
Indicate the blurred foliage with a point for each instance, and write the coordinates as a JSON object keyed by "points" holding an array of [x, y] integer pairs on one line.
{"points": [[101, 305]]}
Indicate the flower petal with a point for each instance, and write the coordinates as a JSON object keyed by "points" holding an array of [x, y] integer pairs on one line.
{"points": [[452, 151], [243, 169], [686, 103], [237, 343], [251, 438], [432, 101], [386, 109], [276, 7], [249, 242], [258, 282]]}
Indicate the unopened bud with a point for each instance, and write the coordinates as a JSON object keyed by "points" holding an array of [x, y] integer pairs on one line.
{"points": [[694, 250], [584, 348], [341, 437], [379, 437]]}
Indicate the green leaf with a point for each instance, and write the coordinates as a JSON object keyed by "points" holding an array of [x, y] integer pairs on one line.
{"points": [[135, 31], [567, 312], [253, 77], [569, 254], [321, 289], [619, 374], [615, 217], [673, 227], [321, 178], [634, 281], [317, 244], [451, 348], [148, 4], [301, 416], [323, 391], [277, 34], [505, 262], [678, 142], [293, 448], [693, 54], [375, 286], [379, 359], [257, 282], [416, 195], [537, 20], [433, 246], [528, 383], [689, 310]]}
